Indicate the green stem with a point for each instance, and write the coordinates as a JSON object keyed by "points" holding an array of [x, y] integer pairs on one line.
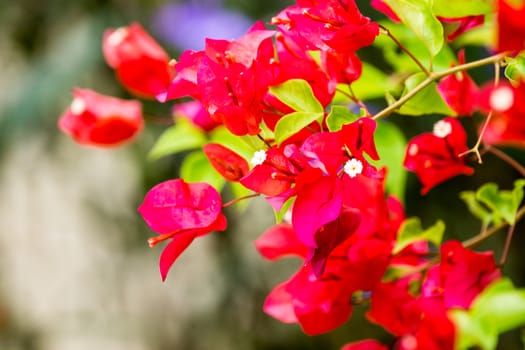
{"points": [[483, 235], [433, 76], [402, 47], [507, 159], [236, 200]]}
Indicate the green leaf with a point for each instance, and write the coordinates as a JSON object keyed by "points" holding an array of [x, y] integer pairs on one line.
{"points": [[461, 8], [279, 214], [426, 101], [391, 145], [372, 83], [238, 191], [400, 61], [476, 208], [411, 231], [515, 70], [182, 136], [499, 308], [291, 123], [197, 168], [339, 116], [502, 304], [418, 16], [298, 95], [503, 203], [471, 332], [223, 136]]}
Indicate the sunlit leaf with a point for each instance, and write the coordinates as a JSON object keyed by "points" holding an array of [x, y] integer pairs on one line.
{"points": [[182, 136], [291, 123], [418, 16], [298, 95], [197, 168], [503, 203], [339, 116], [391, 145], [411, 231], [461, 8], [426, 101]]}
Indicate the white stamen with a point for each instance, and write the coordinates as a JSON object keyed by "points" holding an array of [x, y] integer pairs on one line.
{"points": [[258, 157], [118, 36], [78, 106], [501, 99], [442, 129], [353, 167]]}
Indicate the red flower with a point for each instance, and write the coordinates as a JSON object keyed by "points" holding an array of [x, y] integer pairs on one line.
{"points": [[227, 163], [181, 211], [195, 112], [506, 127], [99, 120], [434, 156], [140, 63], [459, 90], [368, 344], [510, 26], [327, 24]]}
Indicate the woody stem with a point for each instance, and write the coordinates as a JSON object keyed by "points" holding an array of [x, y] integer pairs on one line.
{"points": [[434, 76]]}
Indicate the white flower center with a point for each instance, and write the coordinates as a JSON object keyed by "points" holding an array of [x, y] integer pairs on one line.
{"points": [[78, 106], [501, 99], [353, 167], [258, 157], [118, 36], [442, 129]]}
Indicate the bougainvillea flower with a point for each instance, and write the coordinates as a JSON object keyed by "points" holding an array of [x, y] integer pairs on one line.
{"points": [[324, 25], [195, 112], [459, 90], [181, 211], [278, 241], [454, 27], [510, 25], [318, 305], [461, 275], [343, 68], [227, 163], [140, 62], [99, 120], [368, 344], [506, 127], [435, 156]]}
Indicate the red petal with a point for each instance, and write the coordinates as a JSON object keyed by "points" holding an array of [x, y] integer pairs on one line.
{"points": [[172, 251]]}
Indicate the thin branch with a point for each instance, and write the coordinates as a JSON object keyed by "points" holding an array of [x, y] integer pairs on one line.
{"points": [[236, 200], [480, 237], [405, 50], [507, 159], [436, 76], [506, 249]]}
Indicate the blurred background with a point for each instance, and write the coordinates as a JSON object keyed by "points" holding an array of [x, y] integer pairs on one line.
{"points": [[75, 269]]}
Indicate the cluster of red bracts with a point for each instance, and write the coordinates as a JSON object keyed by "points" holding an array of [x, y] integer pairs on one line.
{"points": [[342, 223]]}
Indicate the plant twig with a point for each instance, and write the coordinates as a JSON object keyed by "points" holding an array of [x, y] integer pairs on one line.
{"points": [[386, 31], [506, 249], [436, 76], [507, 159], [236, 200], [480, 237]]}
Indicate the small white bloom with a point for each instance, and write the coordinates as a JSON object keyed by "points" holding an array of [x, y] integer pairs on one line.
{"points": [[78, 106], [353, 167], [117, 36], [501, 99], [442, 129], [258, 157]]}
